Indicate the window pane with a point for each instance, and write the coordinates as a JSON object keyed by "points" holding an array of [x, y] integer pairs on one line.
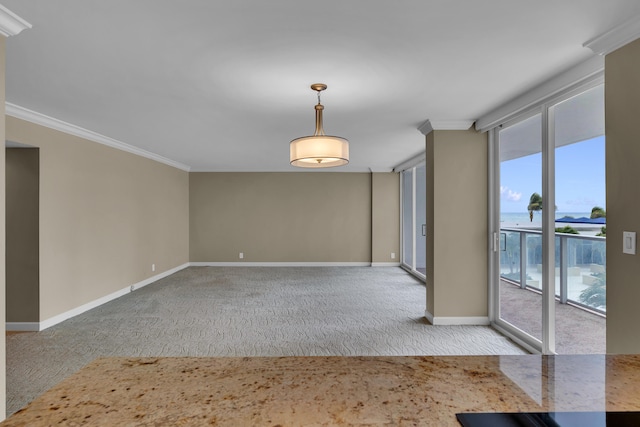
{"points": [[421, 219], [520, 225], [580, 252], [407, 217]]}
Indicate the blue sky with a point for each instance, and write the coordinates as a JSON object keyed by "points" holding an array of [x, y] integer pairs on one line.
{"points": [[580, 178]]}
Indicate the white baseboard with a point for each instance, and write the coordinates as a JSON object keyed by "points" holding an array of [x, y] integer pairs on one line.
{"points": [[280, 264], [81, 309], [429, 316], [22, 326], [39, 326], [385, 264], [447, 321], [158, 276], [98, 302]]}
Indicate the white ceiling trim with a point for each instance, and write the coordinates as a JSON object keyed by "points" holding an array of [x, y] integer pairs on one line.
{"points": [[52, 123], [451, 124], [10, 23], [616, 37], [592, 68], [414, 161], [425, 127], [429, 125]]}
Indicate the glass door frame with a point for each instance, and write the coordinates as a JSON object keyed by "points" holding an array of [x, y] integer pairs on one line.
{"points": [[410, 268], [546, 109]]}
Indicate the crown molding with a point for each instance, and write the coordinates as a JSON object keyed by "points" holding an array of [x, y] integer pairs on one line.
{"points": [[10, 23], [451, 124], [588, 71], [425, 127], [615, 38], [413, 161], [52, 123], [429, 125]]}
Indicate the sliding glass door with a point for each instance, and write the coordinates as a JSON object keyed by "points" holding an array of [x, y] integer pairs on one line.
{"points": [[549, 224], [580, 238], [520, 147], [414, 244], [420, 212], [407, 218]]}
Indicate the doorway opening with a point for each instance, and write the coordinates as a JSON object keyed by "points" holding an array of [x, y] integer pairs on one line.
{"points": [[22, 237]]}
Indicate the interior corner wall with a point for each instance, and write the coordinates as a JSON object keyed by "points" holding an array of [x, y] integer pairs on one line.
{"points": [[430, 166], [105, 217], [385, 217], [22, 235], [280, 217], [457, 194], [3, 300], [622, 101]]}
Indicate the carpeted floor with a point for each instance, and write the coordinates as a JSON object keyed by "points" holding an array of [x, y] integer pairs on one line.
{"points": [[234, 311]]}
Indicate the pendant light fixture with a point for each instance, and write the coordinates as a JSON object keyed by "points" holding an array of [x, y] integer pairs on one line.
{"points": [[319, 150]]}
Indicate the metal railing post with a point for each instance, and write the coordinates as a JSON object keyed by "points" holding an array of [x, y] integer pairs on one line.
{"points": [[523, 260], [564, 269]]}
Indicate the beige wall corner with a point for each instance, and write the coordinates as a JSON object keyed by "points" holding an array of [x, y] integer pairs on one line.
{"points": [[457, 194], [430, 214], [22, 235], [385, 217], [105, 217], [3, 300], [622, 97], [280, 217]]}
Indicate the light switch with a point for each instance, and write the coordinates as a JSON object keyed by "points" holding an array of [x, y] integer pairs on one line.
{"points": [[629, 242]]}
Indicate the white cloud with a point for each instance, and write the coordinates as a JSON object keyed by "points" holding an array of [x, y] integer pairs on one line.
{"points": [[510, 195]]}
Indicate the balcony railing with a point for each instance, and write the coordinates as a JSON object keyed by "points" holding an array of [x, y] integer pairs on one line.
{"points": [[580, 267]]}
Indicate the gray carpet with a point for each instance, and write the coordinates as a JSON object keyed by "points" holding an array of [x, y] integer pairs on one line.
{"points": [[234, 311]]}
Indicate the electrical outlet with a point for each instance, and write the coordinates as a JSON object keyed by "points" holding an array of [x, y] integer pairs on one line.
{"points": [[241, 255], [393, 255], [153, 267]]}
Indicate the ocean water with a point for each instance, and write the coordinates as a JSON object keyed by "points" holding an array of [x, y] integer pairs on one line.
{"points": [[523, 217]]}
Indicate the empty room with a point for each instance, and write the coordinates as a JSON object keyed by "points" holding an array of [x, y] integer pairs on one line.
{"points": [[346, 213]]}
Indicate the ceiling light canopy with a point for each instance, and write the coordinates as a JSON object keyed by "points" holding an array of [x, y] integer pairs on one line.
{"points": [[319, 150]]}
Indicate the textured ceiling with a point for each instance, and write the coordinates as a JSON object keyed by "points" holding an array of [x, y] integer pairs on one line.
{"points": [[224, 85]]}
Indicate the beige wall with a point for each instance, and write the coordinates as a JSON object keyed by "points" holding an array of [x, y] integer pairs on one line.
{"points": [[280, 217], [105, 217], [385, 217], [22, 235], [3, 301], [622, 101], [457, 195], [430, 167]]}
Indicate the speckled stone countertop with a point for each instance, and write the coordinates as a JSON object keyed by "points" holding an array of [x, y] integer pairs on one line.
{"points": [[328, 391]]}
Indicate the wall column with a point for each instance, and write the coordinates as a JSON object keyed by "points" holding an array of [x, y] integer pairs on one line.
{"points": [[385, 219], [3, 298], [457, 193], [622, 98], [10, 25]]}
